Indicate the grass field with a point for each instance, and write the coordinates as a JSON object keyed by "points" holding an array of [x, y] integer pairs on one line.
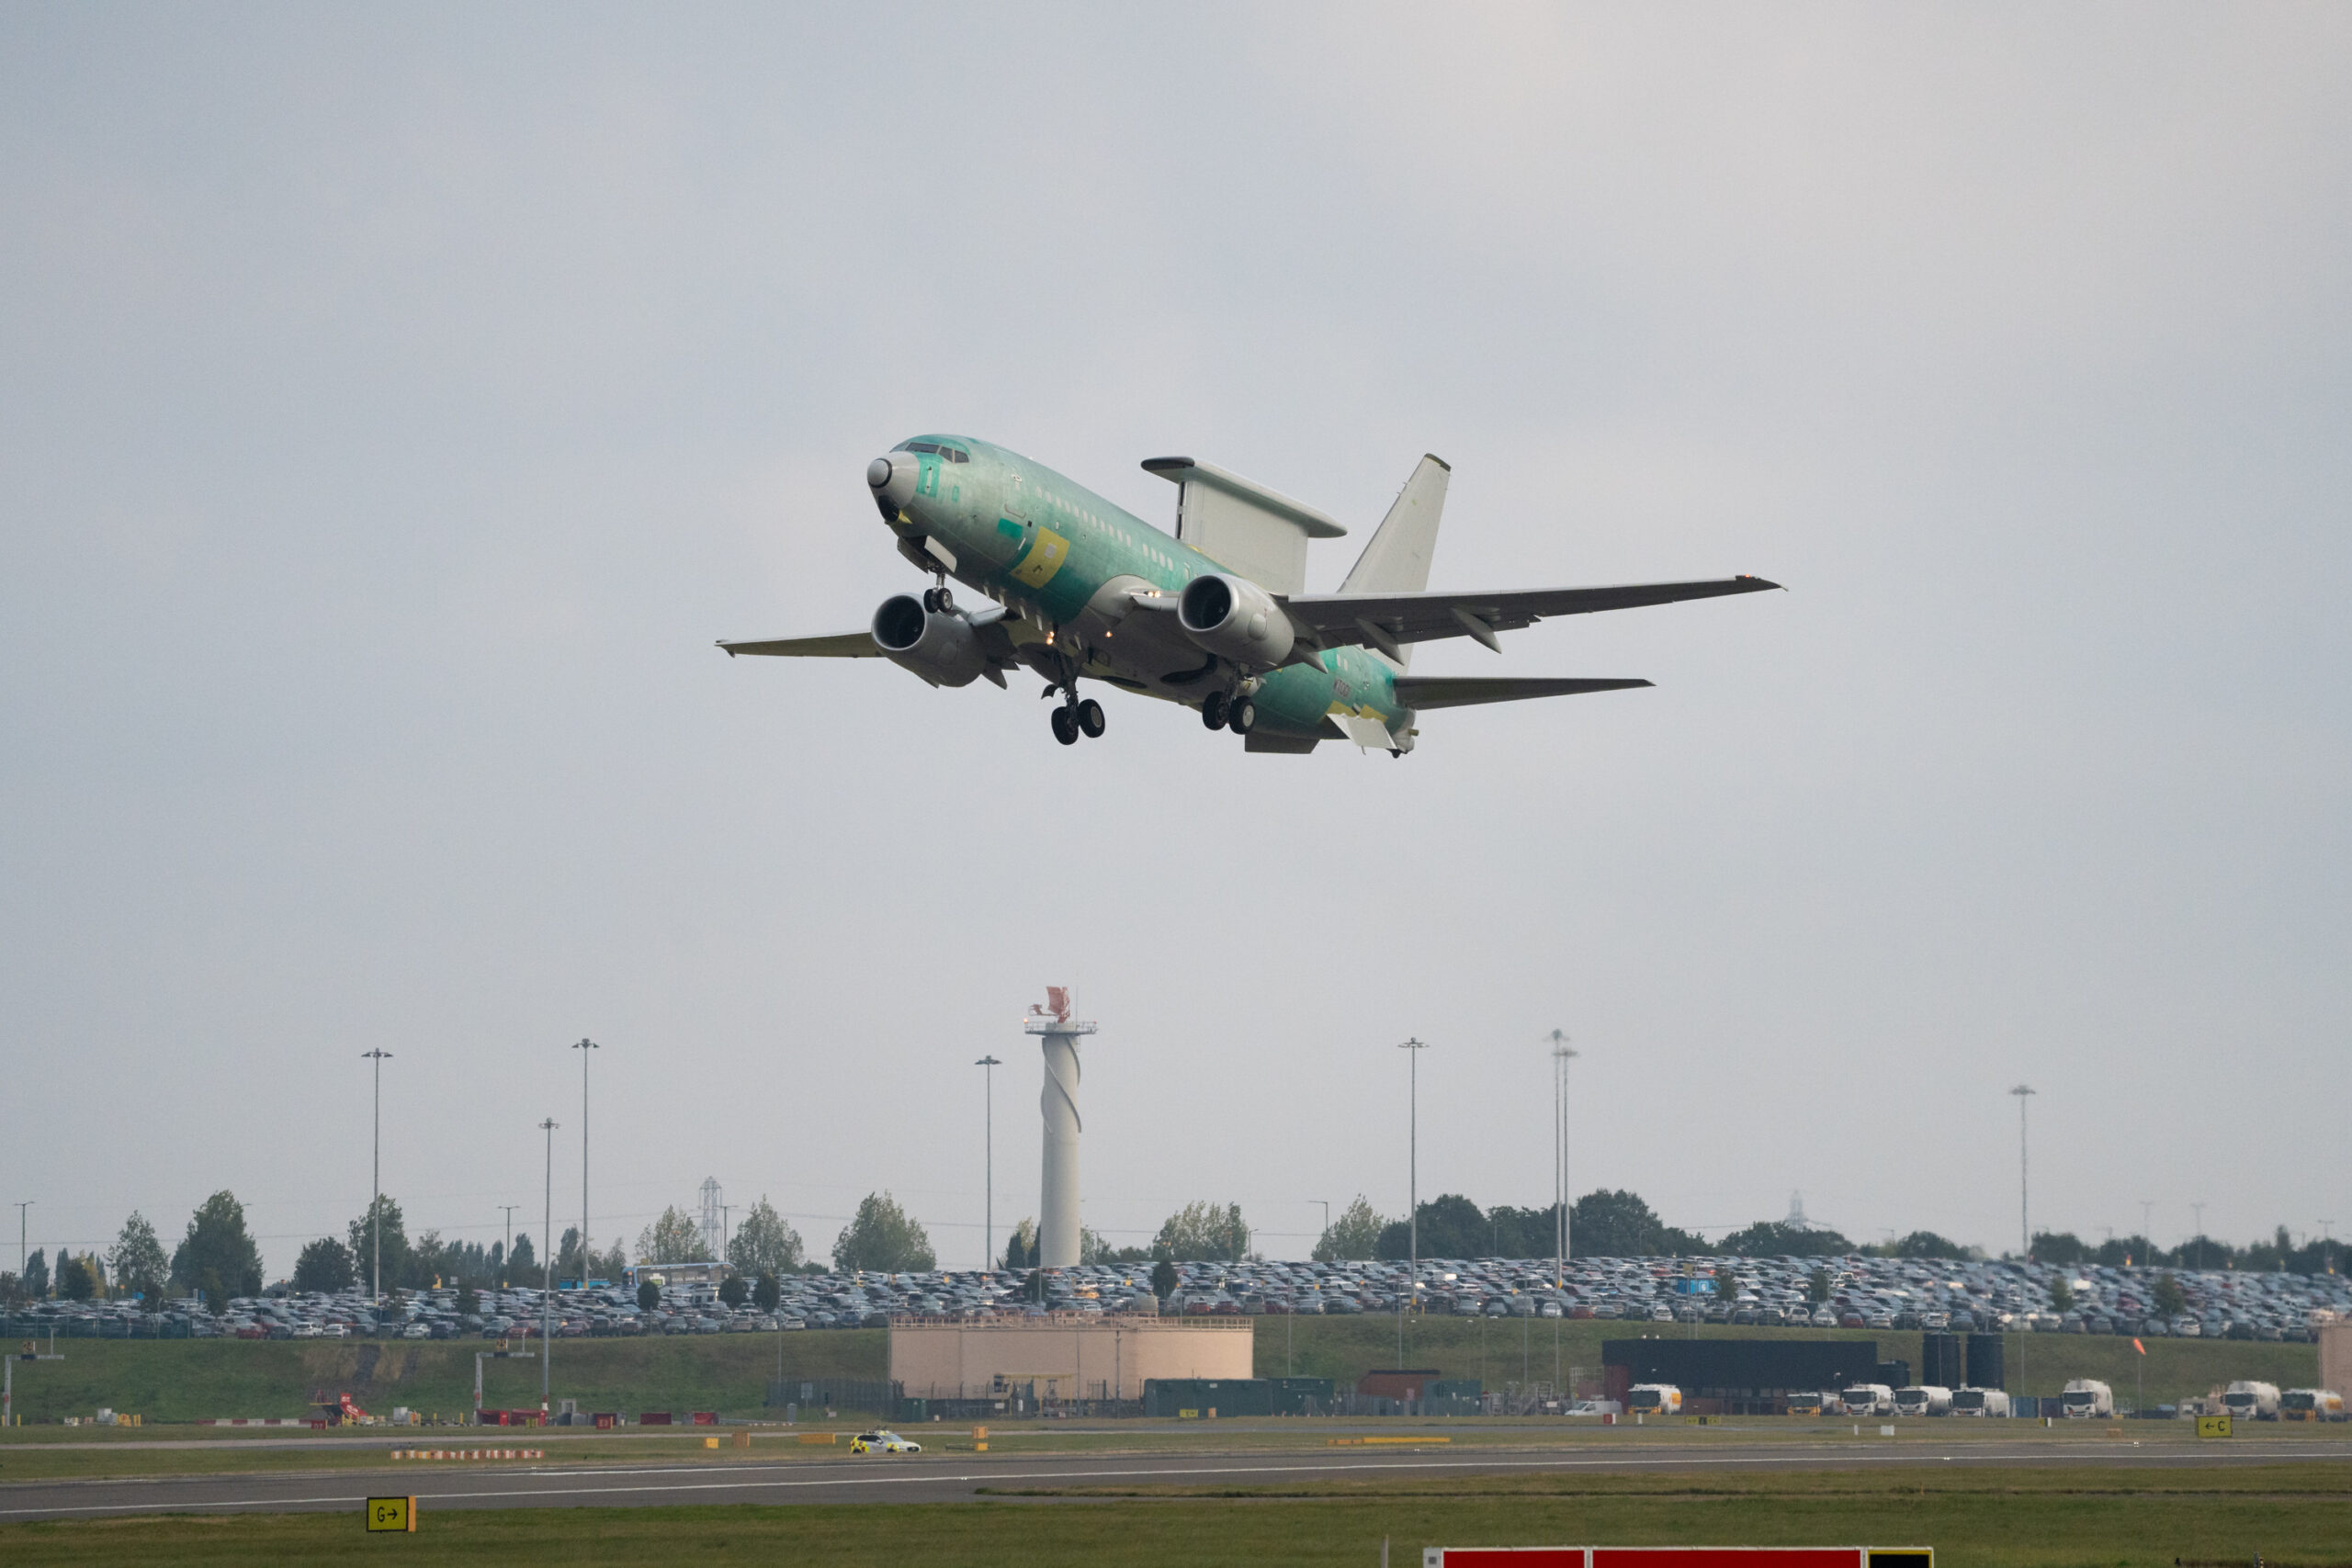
{"points": [[189, 1380], [2293, 1516], [176, 1381]]}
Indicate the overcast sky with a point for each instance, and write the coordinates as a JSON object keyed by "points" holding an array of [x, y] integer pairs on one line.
{"points": [[396, 405]]}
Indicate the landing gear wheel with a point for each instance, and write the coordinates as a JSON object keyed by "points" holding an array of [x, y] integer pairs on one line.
{"points": [[1243, 718], [1213, 710], [931, 600], [1089, 717], [1064, 727]]}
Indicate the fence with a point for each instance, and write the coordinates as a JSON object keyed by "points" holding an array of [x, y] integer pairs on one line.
{"points": [[877, 1396]]}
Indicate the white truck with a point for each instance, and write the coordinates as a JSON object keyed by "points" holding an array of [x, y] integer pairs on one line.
{"points": [[2252, 1401], [2088, 1399], [1867, 1399], [2310, 1404], [1654, 1399], [1979, 1402], [1923, 1399]]}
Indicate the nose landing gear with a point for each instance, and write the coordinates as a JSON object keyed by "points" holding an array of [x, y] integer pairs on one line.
{"points": [[1213, 710]]}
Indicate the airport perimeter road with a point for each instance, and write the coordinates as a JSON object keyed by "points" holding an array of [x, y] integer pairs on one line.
{"points": [[961, 1478]]}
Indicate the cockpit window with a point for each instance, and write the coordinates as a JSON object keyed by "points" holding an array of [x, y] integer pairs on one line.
{"points": [[953, 453]]}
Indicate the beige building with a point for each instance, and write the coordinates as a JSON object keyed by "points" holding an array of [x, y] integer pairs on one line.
{"points": [[1067, 1355], [2336, 1357]]}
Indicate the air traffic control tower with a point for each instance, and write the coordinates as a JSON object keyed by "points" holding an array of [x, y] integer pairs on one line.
{"points": [[1057, 1206]]}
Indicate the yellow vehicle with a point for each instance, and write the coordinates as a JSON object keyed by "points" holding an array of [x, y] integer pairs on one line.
{"points": [[1655, 1399], [1804, 1404], [2310, 1404], [882, 1442]]}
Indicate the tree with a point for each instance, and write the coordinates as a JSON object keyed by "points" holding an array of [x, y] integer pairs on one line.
{"points": [[77, 1278], [1092, 1248], [2169, 1299], [37, 1275], [1021, 1247], [649, 1295], [882, 1238], [137, 1260], [216, 1243], [1201, 1231], [1614, 1224], [1726, 1284], [1164, 1279], [734, 1290], [568, 1264], [1817, 1286], [1928, 1243], [1771, 1239], [2059, 1247], [673, 1238], [325, 1266], [1354, 1236], [522, 1264], [1524, 1233], [767, 1293], [393, 1237], [2061, 1296], [764, 1243]]}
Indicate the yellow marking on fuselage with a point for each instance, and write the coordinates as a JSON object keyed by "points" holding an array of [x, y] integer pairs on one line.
{"points": [[1044, 558]]}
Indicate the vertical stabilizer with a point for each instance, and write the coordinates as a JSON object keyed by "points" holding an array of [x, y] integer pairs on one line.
{"points": [[1398, 559]]}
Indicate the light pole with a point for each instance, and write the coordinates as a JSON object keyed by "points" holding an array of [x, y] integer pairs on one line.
{"points": [[506, 1258], [1561, 1056], [2147, 1222], [2198, 1210], [1412, 1049], [988, 1065], [546, 1290], [2025, 1232], [1326, 1235], [20, 1237], [376, 1204], [587, 1255]]}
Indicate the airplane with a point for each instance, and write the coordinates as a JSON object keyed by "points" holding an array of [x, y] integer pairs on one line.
{"points": [[1215, 616]]}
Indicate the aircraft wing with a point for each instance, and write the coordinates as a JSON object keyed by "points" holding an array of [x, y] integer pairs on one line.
{"points": [[847, 645], [1388, 620], [1423, 691]]}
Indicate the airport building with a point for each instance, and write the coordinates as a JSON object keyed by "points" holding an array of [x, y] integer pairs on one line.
{"points": [[1064, 1357]]}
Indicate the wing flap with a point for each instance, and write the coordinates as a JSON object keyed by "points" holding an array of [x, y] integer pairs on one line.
{"points": [[1336, 619], [1424, 691]]}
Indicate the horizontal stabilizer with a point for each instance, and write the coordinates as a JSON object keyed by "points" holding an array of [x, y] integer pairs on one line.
{"points": [[846, 645], [1463, 691], [1368, 619]]}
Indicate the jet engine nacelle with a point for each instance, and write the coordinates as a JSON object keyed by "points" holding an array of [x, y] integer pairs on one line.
{"points": [[1234, 618], [940, 648]]}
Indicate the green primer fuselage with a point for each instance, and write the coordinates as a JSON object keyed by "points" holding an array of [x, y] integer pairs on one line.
{"points": [[1066, 561]]}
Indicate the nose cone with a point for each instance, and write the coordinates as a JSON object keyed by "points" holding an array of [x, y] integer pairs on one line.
{"points": [[891, 477]]}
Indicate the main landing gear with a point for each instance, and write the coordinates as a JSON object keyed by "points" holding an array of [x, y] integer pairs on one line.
{"points": [[938, 600], [1076, 716], [1220, 712]]}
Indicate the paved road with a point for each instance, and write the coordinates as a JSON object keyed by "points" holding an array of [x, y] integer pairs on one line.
{"points": [[946, 1478]]}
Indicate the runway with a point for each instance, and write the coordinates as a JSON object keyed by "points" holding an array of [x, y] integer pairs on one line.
{"points": [[960, 1478]]}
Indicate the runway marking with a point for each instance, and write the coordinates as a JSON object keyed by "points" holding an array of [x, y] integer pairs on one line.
{"points": [[911, 1477]]}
